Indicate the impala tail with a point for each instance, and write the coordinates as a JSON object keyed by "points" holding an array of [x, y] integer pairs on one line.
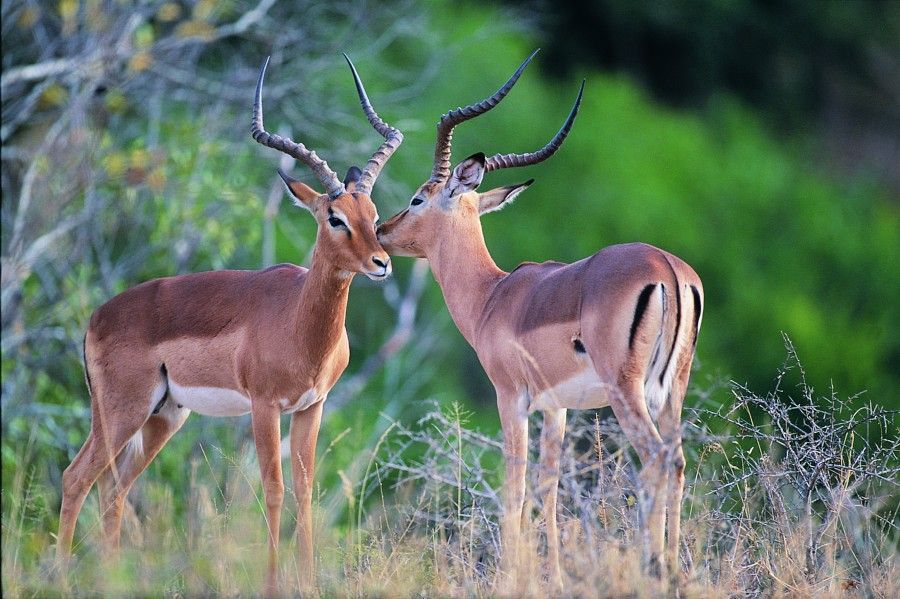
{"points": [[668, 313]]}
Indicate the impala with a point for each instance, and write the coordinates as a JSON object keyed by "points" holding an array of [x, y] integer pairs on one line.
{"points": [[227, 343], [615, 329]]}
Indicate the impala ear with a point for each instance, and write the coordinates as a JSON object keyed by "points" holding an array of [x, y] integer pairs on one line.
{"points": [[467, 175], [352, 178], [304, 195], [501, 197]]}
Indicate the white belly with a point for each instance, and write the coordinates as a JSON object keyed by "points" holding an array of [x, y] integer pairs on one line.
{"points": [[583, 391], [210, 401], [290, 405]]}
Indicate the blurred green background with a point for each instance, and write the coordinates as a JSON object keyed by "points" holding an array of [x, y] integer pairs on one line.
{"points": [[756, 140]]}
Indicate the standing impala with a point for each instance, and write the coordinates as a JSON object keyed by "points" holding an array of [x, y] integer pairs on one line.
{"points": [[615, 329], [228, 343]]}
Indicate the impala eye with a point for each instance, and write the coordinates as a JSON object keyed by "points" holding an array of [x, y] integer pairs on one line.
{"points": [[336, 222], [416, 201]]}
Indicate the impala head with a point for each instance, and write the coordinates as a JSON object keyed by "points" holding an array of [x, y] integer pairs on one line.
{"points": [[345, 213], [448, 203]]}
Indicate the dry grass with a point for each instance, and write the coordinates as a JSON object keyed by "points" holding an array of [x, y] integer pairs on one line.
{"points": [[798, 499]]}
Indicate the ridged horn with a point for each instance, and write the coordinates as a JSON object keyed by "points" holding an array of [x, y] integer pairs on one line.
{"points": [[333, 185], [392, 137], [499, 161], [442, 151]]}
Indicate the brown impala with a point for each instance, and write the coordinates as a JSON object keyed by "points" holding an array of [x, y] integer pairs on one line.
{"points": [[228, 343], [615, 329]]}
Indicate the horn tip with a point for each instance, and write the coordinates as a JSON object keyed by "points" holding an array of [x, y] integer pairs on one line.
{"points": [[262, 74], [350, 64], [580, 91], [578, 98]]}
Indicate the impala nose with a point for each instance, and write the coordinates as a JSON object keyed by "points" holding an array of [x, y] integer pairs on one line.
{"points": [[383, 270]]}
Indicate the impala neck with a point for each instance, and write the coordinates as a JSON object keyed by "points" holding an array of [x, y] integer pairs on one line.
{"points": [[322, 307], [467, 275]]}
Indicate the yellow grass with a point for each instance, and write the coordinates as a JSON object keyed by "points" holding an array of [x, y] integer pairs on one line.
{"points": [[416, 516]]}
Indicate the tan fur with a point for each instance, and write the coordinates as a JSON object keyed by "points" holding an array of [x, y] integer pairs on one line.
{"points": [[524, 324], [270, 335]]}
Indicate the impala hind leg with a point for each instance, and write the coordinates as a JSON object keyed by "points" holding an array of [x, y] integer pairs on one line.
{"points": [[514, 422], [116, 481], [266, 420], [77, 481], [304, 433], [631, 412], [110, 431], [552, 433], [670, 429]]}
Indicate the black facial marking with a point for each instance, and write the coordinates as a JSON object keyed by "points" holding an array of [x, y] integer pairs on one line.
{"points": [[698, 306], [639, 310], [579, 346], [336, 222]]}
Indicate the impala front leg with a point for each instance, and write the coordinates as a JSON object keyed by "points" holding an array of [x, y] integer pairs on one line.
{"points": [[553, 431], [514, 422], [266, 419], [304, 433]]}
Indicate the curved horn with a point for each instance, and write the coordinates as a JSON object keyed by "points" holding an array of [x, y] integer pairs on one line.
{"points": [[392, 137], [498, 161], [441, 169], [333, 185]]}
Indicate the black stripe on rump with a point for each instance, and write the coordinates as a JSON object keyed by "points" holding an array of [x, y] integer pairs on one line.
{"points": [[662, 374], [698, 307], [643, 300]]}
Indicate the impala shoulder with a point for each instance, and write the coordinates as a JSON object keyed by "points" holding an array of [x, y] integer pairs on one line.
{"points": [[284, 271], [533, 266], [281, 275], [520, 280], [285, 268]]}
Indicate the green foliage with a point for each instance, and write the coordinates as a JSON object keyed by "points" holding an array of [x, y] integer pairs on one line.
{"points": [[796, 60]]}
